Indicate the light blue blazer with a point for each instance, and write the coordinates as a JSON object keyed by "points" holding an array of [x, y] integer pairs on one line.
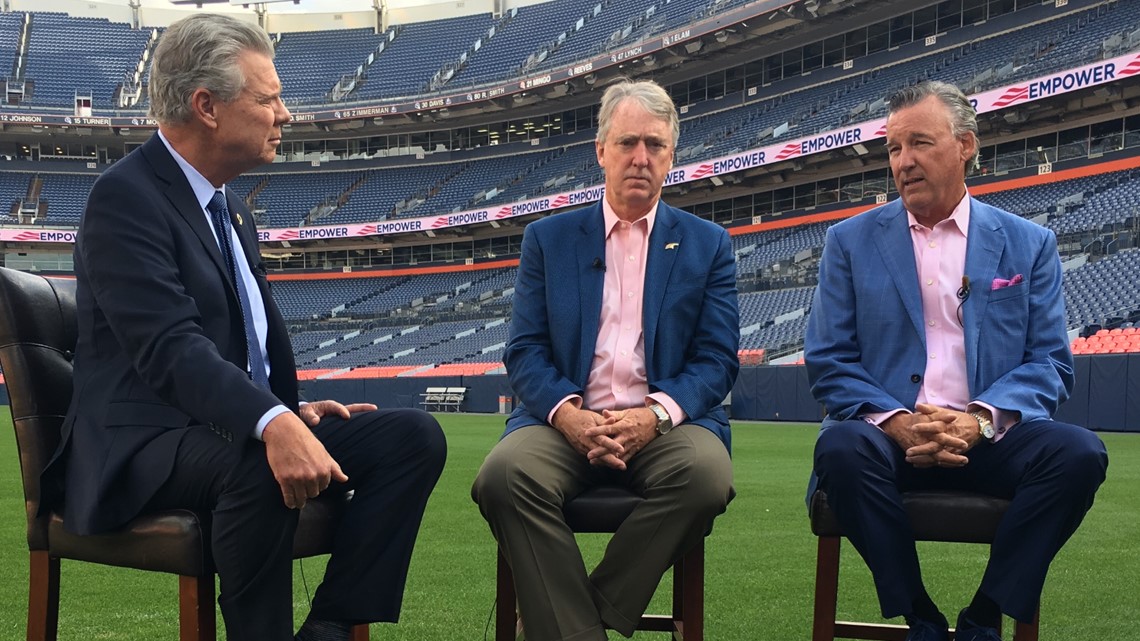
{"points": [[690, 316], [865, 346]]}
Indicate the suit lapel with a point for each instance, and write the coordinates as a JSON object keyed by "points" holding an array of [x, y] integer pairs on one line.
{"points": [[242, 223], [590, 246], [984, 247], [897, 252], [182, 199], [664, 247]]}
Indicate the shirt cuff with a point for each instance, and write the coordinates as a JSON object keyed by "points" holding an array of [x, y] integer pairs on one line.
{"points": [[676, 414], [1003, 421], [274, 412], [878, 418], [573, 398]]}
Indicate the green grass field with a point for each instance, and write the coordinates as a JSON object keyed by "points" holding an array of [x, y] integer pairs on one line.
{"points": [[760, 558]]}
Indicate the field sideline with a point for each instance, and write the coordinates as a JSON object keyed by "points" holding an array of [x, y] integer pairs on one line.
{"points": [[760, 558]]}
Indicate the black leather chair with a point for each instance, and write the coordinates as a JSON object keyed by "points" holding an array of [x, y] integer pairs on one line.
{"points": [[37, 339], [602, 510], [956, 517]]}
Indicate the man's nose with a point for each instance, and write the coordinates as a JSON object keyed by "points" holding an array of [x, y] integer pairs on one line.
{"points": [[641, 155], [904, 158]]}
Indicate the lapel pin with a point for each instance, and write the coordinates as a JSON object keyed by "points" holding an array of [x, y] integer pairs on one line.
{"points": [[669, 246], [238, 216]]}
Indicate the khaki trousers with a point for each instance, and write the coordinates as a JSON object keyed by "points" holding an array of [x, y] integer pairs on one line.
{"points": [[686, 479]]}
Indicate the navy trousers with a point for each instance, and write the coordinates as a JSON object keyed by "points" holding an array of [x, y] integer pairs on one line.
{"points": [[393, 459], [1049, 471]]}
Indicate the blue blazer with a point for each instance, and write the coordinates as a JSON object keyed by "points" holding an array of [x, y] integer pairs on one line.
{"points": [[865, 346], [161, 345], [690, 317]]}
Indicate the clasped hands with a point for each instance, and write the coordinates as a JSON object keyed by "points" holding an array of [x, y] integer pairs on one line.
{"points": [[609, 438], [300, 463], [934, 436]]}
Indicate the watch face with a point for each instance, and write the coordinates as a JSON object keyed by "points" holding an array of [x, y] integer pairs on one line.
{"points": [[664, 423], [984, 426]]}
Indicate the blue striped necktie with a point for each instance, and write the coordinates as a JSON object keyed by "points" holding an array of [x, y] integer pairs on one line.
{"points": [[220, 215]]}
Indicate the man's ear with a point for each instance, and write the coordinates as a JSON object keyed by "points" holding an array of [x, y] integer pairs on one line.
{"points": [[203, 107], [969, 145]]}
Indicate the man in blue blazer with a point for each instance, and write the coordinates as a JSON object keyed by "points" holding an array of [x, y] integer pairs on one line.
{"points": [[937, 345], [185, 390], [622, 347]]}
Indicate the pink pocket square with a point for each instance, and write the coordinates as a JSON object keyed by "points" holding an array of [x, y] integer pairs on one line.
{"points": [[1001, 282]]}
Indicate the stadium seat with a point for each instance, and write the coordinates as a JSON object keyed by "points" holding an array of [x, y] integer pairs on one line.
{"points": [[602, 510], [38, 335], [955, 517]]}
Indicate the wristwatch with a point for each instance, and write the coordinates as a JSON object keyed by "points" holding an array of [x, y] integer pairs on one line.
{"points": [[664, 423], [985, 425]]}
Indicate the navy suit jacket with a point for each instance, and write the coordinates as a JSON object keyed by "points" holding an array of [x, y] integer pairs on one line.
{"points": [[865, 346], [161, 346], [689, 314]]}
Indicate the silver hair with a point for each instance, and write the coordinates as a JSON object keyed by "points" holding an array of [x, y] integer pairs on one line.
{"points": [[963, 118], [200, 51], [651, 96]]}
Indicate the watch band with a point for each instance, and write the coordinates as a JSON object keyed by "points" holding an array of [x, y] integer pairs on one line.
{"points": [[985, 425], [664, 421]]}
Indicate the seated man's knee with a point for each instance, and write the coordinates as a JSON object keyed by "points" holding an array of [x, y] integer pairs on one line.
{"points": [[709, 487], [705, 479], [1084, 455], [497, 479], [425, 430], [843, 447]]}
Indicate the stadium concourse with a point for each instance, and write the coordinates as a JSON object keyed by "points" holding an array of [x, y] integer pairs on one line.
{"points": [[423, 143]]}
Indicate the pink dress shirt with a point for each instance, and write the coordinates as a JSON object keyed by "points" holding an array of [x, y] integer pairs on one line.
{"points": [[617, 375], [940, 257]]}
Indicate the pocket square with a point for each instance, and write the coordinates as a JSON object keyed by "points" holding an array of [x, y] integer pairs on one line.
{"points": [[999, 283]]}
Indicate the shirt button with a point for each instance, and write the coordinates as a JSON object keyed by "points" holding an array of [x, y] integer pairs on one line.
{"points": [[619, 389], [628, 327], [932, 357], [933, 244], [931, 323], [929, 281], [629, 295], [632, 258], [624, 353]]}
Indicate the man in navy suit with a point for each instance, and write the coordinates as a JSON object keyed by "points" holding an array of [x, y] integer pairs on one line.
{"points": [[937, 345], [185, 386], [622, 346]]}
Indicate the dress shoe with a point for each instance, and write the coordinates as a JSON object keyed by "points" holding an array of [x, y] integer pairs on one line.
{"points": [[923, 630], [967, 630]]}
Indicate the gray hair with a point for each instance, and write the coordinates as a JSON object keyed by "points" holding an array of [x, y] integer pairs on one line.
{"points": [[651, 96], [200, 51], [963, 118]]}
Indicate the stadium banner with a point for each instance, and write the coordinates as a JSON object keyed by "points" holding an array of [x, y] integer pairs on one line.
{"points": [[1102, 72]]}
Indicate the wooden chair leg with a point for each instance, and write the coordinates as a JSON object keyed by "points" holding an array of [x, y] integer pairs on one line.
{"points": [[1027, 631], [689, 584], [43, 596], [506, 617], [826, 589], [196, 620], [359, 632]]}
